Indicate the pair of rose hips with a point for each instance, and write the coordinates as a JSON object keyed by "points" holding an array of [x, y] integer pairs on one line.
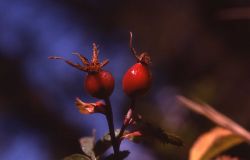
{"points": [[136, 81], [100, 83]]}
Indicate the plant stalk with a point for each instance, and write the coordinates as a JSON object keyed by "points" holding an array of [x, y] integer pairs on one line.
{"points": [[124, 126], [109, 117]]}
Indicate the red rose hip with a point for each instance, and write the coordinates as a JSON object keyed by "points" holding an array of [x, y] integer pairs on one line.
{"points": [[137, 80], [99, 84]]}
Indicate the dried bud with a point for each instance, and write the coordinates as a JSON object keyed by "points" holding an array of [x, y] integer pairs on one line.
{"points": [[128, 117], [87, 66], [131, 117], [90, 108]]}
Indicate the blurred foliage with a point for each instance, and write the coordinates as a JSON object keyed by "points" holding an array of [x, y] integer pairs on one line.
{"points": [[213, 143]]}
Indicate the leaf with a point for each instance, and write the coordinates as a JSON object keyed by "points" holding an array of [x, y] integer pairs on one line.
{"points": [[216, 117], [212, 143], [87, 145], [77, 157], [122, 155], [217, 140], [149, 131]]}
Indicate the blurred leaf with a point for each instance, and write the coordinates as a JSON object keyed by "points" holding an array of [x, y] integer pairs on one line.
{"points": [[87, 145], [216, 117], [174, 140], [77, 157], [213, 143], [122, 155], [149, 131]]}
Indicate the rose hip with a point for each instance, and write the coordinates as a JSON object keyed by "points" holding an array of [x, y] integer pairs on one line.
{"points": [[137, 80], [98, 83]]}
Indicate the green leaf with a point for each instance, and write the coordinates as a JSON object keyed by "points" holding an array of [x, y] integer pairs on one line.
{"points": [[213, 143], [77, 157]]}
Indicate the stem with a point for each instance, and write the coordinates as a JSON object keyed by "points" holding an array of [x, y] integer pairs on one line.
{"points": [[109, 117], [125, 125]]}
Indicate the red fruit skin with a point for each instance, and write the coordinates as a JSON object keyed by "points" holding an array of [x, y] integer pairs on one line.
{"points": [[99, 84], [137, 80]]}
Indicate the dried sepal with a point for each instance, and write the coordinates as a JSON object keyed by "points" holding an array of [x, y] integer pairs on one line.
{"points": [[95, 54], [128, 117], [83, 59], [87, 66], [132, 135], [76, 65], [131, 117], [144, 58], [103, 63], [90, 108]]}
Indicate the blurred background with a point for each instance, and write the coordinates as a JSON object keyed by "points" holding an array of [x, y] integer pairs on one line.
{"points": [[200, 49]]}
